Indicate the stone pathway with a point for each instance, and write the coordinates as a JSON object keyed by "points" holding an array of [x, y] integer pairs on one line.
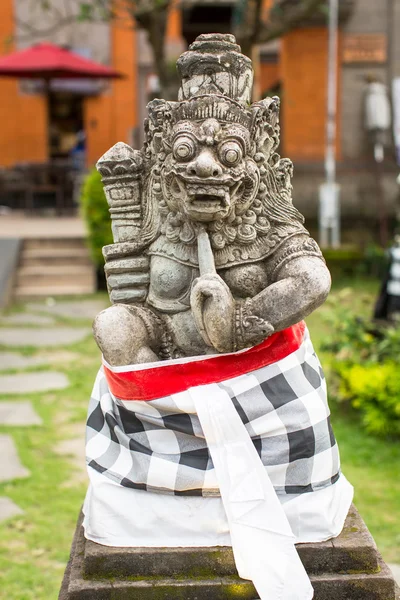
{"points": [[74, 448], [396, 572], [37, 328], [8, 509], [18, 413], [42, 381], [26, 319], [14, 360], [40, 338], [11, 467], [86, 309]]}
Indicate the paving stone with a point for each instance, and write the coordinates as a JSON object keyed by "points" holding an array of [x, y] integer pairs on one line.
{"points": [[18, 413], [396, 572], [86, 309], [40, 338], [13, 360], [74, 449], [27, 319], [10, 465], [8, 509], [23, 383]]}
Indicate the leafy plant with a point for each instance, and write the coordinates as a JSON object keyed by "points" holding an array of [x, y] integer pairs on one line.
{"points": [[94, 210], [365, 363], [374, 390]]}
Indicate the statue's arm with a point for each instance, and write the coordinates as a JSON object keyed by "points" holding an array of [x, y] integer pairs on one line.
{"points": [[300, 282], [301, 286]]}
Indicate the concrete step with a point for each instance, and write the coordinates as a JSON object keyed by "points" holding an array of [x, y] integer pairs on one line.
{"points": [[47, 252], [54, 267], [82, 259], [85, 277], [67, 269], [24, 292], [58, 242]]}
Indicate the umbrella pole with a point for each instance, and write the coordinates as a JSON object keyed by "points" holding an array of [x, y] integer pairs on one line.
{"points": [[46, 91]]}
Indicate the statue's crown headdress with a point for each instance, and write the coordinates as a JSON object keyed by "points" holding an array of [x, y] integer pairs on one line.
{"points": [[214, 64]]}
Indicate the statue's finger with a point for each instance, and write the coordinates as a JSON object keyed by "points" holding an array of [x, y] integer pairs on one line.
{"points": [[205, 254]]}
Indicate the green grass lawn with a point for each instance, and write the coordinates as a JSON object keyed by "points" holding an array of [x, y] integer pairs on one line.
{"points": [[371, 464], [34, 548]]}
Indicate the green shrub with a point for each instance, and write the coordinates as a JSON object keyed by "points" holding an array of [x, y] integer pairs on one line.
{"points": [[94, 210], [350, 260], [365, 364], [374, 390]]}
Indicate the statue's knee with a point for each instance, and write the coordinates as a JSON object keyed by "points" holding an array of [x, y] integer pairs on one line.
{"points": [[119, 333]]}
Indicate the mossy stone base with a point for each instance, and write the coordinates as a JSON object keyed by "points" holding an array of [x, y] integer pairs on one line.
{"points": [[346, 568]]}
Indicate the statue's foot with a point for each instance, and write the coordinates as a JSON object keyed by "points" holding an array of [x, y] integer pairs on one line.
{"points": [[123, 337]]}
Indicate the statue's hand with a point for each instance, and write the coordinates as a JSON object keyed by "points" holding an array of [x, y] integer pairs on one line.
{"points": [[213, 308]]}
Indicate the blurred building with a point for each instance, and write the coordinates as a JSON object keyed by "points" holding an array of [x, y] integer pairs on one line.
{"points": [[294, 67]]}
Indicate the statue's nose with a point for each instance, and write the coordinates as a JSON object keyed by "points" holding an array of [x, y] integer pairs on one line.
{"points": [[204, 165]]}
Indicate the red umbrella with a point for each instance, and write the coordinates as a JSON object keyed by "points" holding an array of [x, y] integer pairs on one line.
{"points": [[48, 61]]}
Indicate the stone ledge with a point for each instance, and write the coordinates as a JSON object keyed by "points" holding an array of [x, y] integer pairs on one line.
{"points": [[353, 551], [181, 584]]}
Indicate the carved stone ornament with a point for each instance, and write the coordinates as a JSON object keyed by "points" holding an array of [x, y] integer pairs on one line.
{"points": [[210, 257], [209, 253]]}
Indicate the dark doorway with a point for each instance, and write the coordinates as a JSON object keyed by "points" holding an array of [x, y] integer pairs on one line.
{"points": [[206, 18], [65, 122]]}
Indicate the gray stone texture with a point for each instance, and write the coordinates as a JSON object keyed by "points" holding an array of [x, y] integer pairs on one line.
{"points": [[26, 319], [14, 360], [103, 573], [19, 414], [231, 262], [354, 550], [73, 448], [42, 338], [10, 465], [85, 309], [8, 509], [41, 381]]}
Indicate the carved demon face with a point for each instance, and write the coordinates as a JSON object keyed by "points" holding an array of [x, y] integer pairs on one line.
{"points": [[208, 174]]}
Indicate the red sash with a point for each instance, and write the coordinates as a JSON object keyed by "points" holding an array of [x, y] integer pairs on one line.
{"points": [[141, 382]]}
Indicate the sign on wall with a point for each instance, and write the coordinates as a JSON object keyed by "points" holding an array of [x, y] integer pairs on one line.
{"points": [[364, 48]]}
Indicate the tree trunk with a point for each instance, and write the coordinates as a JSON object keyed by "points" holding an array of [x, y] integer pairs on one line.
{"points": [[155, 24]]}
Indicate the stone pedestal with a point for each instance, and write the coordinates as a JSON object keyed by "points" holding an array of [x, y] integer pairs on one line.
{"points": [[348, 567]]}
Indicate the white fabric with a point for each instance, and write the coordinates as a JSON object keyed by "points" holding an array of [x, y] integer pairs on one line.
{"points": [[262, 541], [260, 531], [123, 517]]}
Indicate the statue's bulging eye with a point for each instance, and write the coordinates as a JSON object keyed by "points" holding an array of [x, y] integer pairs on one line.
{"points": [[230, 153], [184, 149]]}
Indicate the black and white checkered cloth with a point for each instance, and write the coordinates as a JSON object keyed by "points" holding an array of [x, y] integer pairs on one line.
{"points": [[159, 445]]}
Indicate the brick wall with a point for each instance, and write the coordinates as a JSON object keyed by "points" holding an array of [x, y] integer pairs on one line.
{"points": [[304, 81], [24, 117]]}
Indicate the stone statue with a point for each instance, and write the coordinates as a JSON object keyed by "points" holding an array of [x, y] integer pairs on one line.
{"points": [[208, 423], [209, 253]]}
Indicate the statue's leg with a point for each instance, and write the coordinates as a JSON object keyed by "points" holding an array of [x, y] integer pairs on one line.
{"points": [[127, 335]]}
